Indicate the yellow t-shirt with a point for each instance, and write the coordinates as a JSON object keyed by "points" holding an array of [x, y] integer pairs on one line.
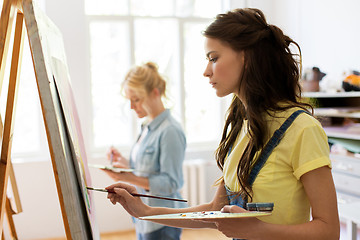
{"points": [[303, 148]]}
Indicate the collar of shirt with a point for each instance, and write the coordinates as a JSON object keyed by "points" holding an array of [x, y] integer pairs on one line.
{"points": [[158, 120]]}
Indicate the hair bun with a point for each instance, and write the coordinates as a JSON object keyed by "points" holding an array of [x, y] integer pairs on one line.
{"points": [[152, 65]]}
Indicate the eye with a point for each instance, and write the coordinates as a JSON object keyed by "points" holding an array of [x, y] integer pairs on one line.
{"points": [[213, 59], [134, 100]]}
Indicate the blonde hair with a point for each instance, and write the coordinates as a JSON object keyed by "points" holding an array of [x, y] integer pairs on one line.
{"points": [[145, 78]]}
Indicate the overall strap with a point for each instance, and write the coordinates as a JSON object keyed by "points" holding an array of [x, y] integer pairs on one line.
{"points": [[272, 143]]}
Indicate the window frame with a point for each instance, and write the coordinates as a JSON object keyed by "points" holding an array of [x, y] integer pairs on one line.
{"points": [[181, 21]]}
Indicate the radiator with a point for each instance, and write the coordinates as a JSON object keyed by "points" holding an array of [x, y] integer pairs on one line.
{"points": [[199, 178]]}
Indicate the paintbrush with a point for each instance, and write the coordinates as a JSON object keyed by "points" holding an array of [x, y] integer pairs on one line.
{"points": [[138, 194]]}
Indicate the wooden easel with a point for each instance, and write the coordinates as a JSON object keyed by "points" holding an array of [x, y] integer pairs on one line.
{"points": [[6, 170], [10, 211], [48, 65]]}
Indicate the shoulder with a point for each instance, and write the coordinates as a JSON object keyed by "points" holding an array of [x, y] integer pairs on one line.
{"points": [[304, 125], [307, 128], [171, 128], [307, 121]]}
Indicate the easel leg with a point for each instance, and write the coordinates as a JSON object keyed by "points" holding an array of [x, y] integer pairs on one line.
{"points": [[6, 22], [10, 112], [9, 215]]}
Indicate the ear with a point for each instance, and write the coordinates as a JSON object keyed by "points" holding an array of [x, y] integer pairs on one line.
{"points": [[155, 92]]}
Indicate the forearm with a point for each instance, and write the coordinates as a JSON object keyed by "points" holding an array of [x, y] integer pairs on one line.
{"points": [[142, 182], [316, 229], [121, 193]]}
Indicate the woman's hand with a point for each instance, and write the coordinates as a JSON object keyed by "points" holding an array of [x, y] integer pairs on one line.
{"points": [[236, 227], [116, 159], [121, 193], [233, 209]]}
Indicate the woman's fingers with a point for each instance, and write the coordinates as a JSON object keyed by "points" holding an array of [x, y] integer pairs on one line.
{"points": [[121, 186], [133, 205], [113, 154], [232, 209]]}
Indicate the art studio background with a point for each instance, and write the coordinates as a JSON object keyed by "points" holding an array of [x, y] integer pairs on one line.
{"points": [[102, 42]]}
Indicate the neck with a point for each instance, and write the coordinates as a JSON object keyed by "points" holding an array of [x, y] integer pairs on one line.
{"points": [[156, 111]]}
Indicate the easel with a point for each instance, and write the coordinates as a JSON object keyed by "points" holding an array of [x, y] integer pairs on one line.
{"points": [[6, 170], [10, 211], [74, 209]]}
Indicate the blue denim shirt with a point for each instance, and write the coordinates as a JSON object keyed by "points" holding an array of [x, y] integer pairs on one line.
{"points": [[160, 158]]}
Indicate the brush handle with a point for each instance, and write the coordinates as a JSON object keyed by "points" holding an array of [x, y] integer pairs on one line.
{"points": [[152, 196], [137, 194]]}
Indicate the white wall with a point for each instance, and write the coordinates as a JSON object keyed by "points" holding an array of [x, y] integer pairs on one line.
{"points": [[326, 30]]}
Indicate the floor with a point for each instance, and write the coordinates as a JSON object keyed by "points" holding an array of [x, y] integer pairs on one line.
{"points": [[188, 234]]}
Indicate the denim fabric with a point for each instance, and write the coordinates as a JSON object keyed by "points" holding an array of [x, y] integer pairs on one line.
{"points": [[164, 233], [159, 158], [236, 199]]}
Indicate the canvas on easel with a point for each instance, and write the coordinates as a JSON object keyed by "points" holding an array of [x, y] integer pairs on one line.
{"points": [[61, 120]]}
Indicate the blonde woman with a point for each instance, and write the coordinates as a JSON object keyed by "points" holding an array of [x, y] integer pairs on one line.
{"points": [[158, 153]]}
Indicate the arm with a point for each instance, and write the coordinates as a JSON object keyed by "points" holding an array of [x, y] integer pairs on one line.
{"points": [[320, 191], [121, 162], [135, 207], [169, 180]]}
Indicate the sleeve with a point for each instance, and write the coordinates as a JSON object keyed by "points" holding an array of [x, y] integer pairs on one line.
{"points": [[171, 157], [311, 150]]}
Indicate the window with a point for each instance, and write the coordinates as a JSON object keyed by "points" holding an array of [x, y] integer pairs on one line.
{"points": [[168, 32], [29, 139], [122, 33]]}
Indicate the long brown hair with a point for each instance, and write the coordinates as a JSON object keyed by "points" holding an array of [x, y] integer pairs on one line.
{"points": [[270, 75]]}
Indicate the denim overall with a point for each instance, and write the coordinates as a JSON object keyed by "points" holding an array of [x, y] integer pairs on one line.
{"points": [[273, 142]]}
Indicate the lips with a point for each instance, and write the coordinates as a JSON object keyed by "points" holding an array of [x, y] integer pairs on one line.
{"points": [[212, 84]]}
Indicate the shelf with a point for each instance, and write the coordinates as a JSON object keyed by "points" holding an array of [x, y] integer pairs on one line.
{"points": [[341, 132], [345, 112], [335, 108], [339, 157], [343, 135], [330, 95]]}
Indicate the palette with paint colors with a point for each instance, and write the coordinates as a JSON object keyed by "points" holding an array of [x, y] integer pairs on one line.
{"points": [[205, 215], [108, 167]]}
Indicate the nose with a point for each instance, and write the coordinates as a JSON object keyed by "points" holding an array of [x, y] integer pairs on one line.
{"points": [[207, 72], [132, 105]]}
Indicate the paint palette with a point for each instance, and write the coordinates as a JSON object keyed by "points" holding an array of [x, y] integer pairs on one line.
{"points": [[205, 215], [114, 169]]}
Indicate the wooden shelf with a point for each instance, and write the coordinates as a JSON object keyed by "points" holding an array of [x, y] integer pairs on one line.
{"points": [[330, 95], [344, 112], [345, 168], [341, 132], [334, 156]]}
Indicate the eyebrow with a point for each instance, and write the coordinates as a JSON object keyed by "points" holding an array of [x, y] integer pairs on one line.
{"points": [[208, 54]]}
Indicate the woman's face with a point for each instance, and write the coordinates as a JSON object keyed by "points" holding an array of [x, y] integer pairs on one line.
{"points": [[136, 102], [224, 67]]}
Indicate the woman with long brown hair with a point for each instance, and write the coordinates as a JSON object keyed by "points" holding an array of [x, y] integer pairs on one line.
{"points": [[272, 148]]}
